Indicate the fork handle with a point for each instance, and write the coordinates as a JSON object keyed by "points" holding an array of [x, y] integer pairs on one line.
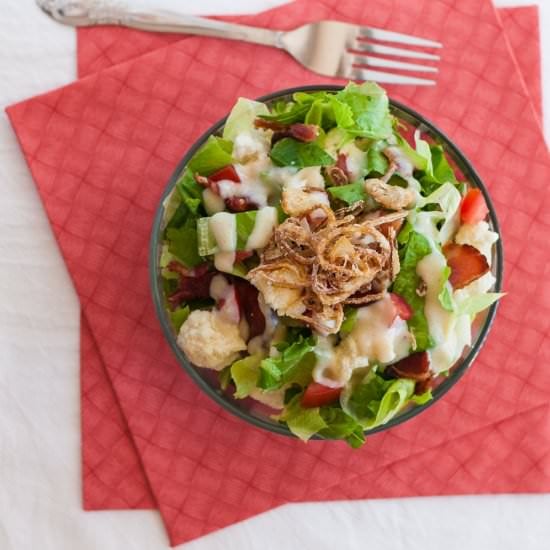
{"points": [[177, 23]]}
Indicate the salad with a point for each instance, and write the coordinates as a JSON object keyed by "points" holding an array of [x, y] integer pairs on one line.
{"points": [[326, 260]]}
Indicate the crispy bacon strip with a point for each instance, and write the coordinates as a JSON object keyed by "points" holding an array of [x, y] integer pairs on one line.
{"points": [[415, 367], [467, 264]]}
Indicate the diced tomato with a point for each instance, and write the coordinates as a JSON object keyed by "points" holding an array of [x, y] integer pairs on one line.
{"points": [[226, 173], [415, 366], [317, 395], [473, 208], [402, 308], [467, 264]]}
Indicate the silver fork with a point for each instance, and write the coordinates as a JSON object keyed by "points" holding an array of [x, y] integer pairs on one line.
{"points": [[329, 48]]}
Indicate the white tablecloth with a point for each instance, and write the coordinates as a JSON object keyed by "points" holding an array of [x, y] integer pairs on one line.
{"points": [[40, 505]]}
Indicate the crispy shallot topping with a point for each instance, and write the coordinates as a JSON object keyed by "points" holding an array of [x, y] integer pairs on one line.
{"points": [[331, 264], [389, 196]]}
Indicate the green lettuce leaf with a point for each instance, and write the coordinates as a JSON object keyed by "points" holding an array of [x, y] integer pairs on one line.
{"points": [[292, 113], [374, 401], [289, 152], [368, 105], [406, 284], [472, 305], [213, 155], [179, 316], [242, 116], [423, 398], [183, 244], [303, 423], [340, 425], [446, 199], [245, 374], [293, 365], [350, 318], [377, 162], [350, 193], [445, 295]]}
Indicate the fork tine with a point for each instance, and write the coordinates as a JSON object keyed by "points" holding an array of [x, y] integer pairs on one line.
{"points": [[384, 63], [390, 50], [387, 78], [391, 36]]}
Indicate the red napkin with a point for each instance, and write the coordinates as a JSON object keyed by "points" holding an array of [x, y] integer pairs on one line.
{"points": [[112, 473], [100, 151]]}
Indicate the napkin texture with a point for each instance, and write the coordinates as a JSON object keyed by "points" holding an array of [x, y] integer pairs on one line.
{"points": [[113, 476], [101, 150]]}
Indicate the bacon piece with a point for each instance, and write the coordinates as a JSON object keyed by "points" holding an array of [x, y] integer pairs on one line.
{"points": [[467, 264], [304, 132], [247, 297], [336, 175], [239, 204], [207, 183], [415, 367], [342, 163], [270, 125], [422, 386]]}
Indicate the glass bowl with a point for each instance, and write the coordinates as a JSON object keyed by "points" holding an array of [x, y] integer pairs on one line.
{"points": [[249, 409]]}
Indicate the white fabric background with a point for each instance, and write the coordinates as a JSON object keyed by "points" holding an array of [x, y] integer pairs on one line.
{"points": [[40, 507]]}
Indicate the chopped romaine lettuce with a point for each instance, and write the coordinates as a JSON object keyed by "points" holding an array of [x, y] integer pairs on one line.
{"points": [[350, 193], [350, 318], [445, 295], [377, 163], [295, 112], [340, 425], [183, 245], [213, 155], [374, 401], [290, 152], [245, 374], [179, 316], [369, 107], [303, 423], [242, 116], [407, 283], [472, 305], [294, 364]]}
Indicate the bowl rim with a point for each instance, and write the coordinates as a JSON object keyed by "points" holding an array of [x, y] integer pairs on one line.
{"points": [[217, 395]]}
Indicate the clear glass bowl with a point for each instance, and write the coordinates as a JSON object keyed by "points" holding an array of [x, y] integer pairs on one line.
{"points": [[249, 409]]}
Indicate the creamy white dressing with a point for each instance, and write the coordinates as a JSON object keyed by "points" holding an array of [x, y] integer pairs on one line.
{"points": [[224, 228], [395, 154], [213, 203], [480, 236], [374, 339], [224, 261], [265, 222], [355, 160], [447, 329]]}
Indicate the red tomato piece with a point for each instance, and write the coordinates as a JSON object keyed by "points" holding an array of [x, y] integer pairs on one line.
{"points": [[317, 395], [226, 173], [402, 308], [473, 208]]}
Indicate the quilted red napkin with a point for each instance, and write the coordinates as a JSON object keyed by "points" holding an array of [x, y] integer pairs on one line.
{"points": [[100, 151], [112, 473]]}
